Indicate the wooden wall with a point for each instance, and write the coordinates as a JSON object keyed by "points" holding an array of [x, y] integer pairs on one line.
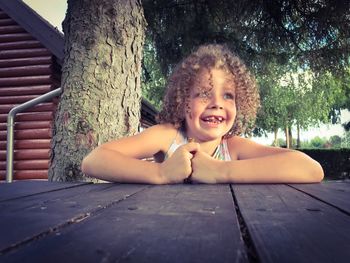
{"points": [[27, 70]]}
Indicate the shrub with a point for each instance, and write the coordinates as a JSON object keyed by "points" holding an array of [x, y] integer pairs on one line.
{"points": [[335, 162]]}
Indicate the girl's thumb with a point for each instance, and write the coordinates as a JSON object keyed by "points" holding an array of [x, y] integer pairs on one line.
{"points": [[192, 147]]}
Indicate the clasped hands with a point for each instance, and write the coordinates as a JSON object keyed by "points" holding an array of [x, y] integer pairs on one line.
{"points": [[189, 162]]}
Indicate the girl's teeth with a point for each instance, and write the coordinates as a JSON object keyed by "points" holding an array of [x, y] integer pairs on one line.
{"points": [[213, 119]]}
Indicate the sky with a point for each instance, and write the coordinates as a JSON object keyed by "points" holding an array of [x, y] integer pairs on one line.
{"points": [[55, 11]]}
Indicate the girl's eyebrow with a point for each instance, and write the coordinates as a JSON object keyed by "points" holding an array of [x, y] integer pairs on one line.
{"points": [[229, 89], [229, 79]]}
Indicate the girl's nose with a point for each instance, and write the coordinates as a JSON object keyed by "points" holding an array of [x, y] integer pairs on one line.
{"points": [[216, 102]]}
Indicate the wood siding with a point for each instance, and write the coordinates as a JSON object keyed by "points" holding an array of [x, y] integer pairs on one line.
{"points": [[27, 70]]}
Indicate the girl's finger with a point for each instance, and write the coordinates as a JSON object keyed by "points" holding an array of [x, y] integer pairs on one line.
{"points": [[192, 147]]}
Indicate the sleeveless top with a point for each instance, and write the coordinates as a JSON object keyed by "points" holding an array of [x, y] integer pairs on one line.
{"points": [[221, 152]]}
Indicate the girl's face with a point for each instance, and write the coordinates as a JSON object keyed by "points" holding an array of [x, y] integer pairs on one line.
{"points": [[211, 108]]}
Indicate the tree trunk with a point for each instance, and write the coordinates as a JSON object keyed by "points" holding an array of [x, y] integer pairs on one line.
{"points": [[275, 133], [287, 137], [298, 135], [290, 137], [100, 80]]}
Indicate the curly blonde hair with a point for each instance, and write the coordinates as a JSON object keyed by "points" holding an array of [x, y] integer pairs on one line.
{"points": [[182, 79]]}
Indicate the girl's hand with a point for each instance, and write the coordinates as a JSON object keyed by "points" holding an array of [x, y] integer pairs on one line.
{"points": [[206, 169], [178, 167]]}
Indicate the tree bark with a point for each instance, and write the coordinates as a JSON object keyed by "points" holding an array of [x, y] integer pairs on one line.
{"points": [[287, 137], [275, 133], [298, 135], [290, 137], [100, 79]]}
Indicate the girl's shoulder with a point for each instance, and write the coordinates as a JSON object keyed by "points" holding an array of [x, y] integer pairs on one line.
{"points": [[164, 128], [163, 134], [242, 148], [237, 141], [235, 144]]}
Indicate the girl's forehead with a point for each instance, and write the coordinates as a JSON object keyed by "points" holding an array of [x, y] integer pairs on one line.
{"points": [[209, 76]]}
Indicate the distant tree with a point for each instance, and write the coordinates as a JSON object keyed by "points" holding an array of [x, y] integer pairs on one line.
{"points": [[280, 142], [345, 141], [271, 115], [318, 142], [335, 141], [295, 97]]}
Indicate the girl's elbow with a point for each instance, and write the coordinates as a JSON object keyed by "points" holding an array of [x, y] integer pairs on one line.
{"points": [[316, 173], [313, 171], [86, 165]]}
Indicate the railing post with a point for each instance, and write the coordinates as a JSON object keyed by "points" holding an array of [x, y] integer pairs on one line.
{"points": [[10, 127]]}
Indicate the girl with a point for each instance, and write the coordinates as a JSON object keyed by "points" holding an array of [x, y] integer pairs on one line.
{"points": [[211, 100]]}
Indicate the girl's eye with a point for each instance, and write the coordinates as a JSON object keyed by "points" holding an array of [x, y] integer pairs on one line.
{"points": [[229, 96], [202, 95]]}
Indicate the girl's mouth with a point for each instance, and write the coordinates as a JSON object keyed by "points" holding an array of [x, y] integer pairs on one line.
{"points": [[213, 119]]}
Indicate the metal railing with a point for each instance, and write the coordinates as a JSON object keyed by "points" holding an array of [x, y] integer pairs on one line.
{"points": [[10, 127]]}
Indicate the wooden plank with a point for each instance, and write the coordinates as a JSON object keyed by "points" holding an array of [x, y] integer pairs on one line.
{"points": [[6, 22], [45, 106], [21, 189], [27, 80], [26, 174], [24, 53], [3, 15], [37, 116], [25, 90], [21, 44], [28, 125], [11, 29], [30, 217], [15, 37], [27, 165], [178, 223], [287, 225], [16, 99], [31, 70], [29, 134], [333, 193], [27, 154], [28, 144], [13, 62]]}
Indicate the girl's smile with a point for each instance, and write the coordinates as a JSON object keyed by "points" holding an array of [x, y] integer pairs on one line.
{"points": [[211, 107]]}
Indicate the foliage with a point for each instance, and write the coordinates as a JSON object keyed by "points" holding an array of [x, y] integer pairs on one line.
{"points": [[273, 112], [274, 38], [315, 33], [345, 141], [153, 80], [335, 141], [296, 96], [316, 142]]}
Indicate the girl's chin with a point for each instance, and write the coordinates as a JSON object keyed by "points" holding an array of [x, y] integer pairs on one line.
{"points": [[207, 131], [208, 136]]}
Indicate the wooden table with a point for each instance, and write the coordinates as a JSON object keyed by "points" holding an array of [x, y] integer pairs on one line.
{"points": [[80, 222]]}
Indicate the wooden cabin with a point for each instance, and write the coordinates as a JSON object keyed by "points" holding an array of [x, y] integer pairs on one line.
{"points": [[31, 56]]}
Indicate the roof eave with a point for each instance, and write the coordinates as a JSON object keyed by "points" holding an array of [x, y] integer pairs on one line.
{"points": [[38, 27]]}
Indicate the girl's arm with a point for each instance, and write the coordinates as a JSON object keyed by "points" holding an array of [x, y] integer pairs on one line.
{"points": [[120, 160], [260, 164]]}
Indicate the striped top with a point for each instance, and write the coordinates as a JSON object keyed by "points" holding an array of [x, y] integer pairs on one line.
{"points": [[221, 152]]}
